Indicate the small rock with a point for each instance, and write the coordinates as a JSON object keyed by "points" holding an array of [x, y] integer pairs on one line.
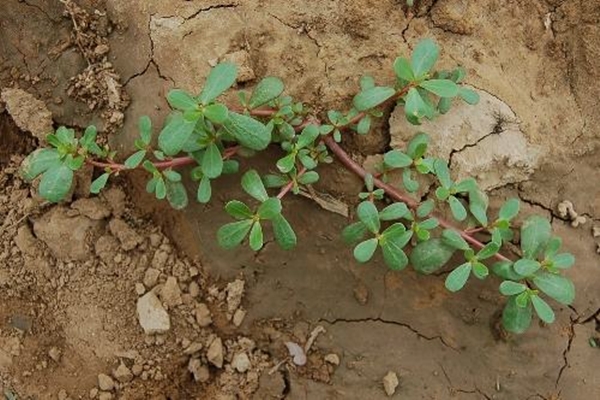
{"points": [[93, 393], [235, 291], [62, 395], [241, 362], [194, 289], [151, 277], [203, 317], [578, 221], [390, 383], [152, 315], [171, 293], [200, 372], [105, 396], [128, 237], [137, 369], [332, 358], [596, 231], [238, 316], [193, 348], [105, 383], [55, 354], [140, 289], [361, 294], [123, 374], [215, 353]]}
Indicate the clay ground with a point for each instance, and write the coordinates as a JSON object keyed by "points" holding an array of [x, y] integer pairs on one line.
{"points": [[70, 275]]}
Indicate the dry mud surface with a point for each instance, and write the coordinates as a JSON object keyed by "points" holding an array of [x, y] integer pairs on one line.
{"points": [[118, 297]]}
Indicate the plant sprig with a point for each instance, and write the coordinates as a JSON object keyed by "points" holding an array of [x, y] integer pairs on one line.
{"points": [[208, 136]]}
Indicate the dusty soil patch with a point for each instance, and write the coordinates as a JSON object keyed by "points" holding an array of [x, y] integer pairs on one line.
{"points": [[66, 318]]}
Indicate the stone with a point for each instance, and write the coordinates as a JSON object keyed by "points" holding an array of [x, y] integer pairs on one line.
{"points": [[390, 383], [361, 293], [194, 289], [151, 277], [55, 354], [128, 237], [193, 348], [238, 316], [170, 293], [62, 395], [105, 396], [235, 291], [241, 362], [483, 141], [152, 315], [137, 369], [140, 289], [106, 247], [200, 372], [93, 393], [332, 359], [123, 374], [93, 208], [65, 235], [105, 383], [203, 317], [215, 353]]}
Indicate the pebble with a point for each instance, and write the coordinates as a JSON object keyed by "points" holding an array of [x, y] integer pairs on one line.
{"points": [[203, 317], [151, 277], [241, 362], [152, 315], [137, 369], [200, 372], [123, 374], [332, 358], [215, 353], [193, 348], [194, 289], [238, 316], [105, 396], [105, 383], [93, 393], [140, 289], [390, 383], [62, 395], [235, 291], [361, 294], [171, 293], [55, 354]]}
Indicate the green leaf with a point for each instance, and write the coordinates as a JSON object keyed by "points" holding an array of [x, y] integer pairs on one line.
{"points": [[175, 134], [523, 299], [425, 208], [552, 247], [393, 211], [418, 145], [220, 78], [181, 100], [74, 163], [309, 134], [415, 107], [457, 279], [172, 176], [440, 87], [410, 184], [478, 205], [216, 113], [364, 251], [542, 309], [99, 183], [424, 57], [56, 183], [134, 160], [397, 159], [284, 234], [442, 193], [231, 166], [563, 260], [65, 135], [145, 125], [393, 255], [308, 178], [509, 210], [526, 267], [364, 125], [212, 162], [238, 210], [252, 184], [429, 256], [151, 185], [443, 173], [516, 319], [354, 232], [403, 69], [468, 95], [247, 131], [428, 224], [458, 210], [287, 163], [480, 270], [177, 195], [488, 251], [232, 234], [444, 105], [39, 162], [204, 190], [161, 189], [372, 97], [270, 208], [505, 270], [558, 287], [267, 89], [256, 237], [510, 288], [275, 181], [535, 233], [454, 240], [368, 214], [465, 186]]}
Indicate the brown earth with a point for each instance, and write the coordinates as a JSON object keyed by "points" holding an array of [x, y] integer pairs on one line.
{"points": [[71, 275]]}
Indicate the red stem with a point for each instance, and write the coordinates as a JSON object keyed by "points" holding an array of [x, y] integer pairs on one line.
{"points": [[284, 190]]}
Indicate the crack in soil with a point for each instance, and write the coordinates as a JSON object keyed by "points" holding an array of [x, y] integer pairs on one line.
{"points": [[566, 351], [468, 145], [388, 322], [40, 9], [216, 6], [455, 390]]}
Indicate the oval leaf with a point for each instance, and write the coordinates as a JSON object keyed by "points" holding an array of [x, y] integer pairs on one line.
{"points": [[459, 212], [457, 279], [181, 100], [542, 309], [204, 190], [99, 183], [284, 234], [134, 160], [558, 287], [526, 267], [177, 195], [56, 183], [220, 78], [253, 185], [212, 162], [39, 162], [255, 239], [429, 256], [238, 210], [510, 288], [440, 87], [364, 251], [535, 233], [453, 239], [270, 208], [175, 134], [267, 89], [368, 214], [393, 211], [509, 209], [516, 319], [397, 159], [231, 235], [247, 131], [424, 57], [372, 97], [354, 232], [393, 255]]}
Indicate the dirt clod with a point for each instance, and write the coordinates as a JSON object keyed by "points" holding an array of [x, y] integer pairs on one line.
{"points": [[29, 113], [170, 293], [241, 362], [203, 317], [123, 374], [128, 237], [215, 353], [152, 315], [200, 372], [390, 383], [105, 383]]}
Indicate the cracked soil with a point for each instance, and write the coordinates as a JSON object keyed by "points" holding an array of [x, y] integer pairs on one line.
{"points": [[535, 136]]}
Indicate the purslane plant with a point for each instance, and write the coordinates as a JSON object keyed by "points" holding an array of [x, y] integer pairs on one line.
{"points": [[207, 136]]}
